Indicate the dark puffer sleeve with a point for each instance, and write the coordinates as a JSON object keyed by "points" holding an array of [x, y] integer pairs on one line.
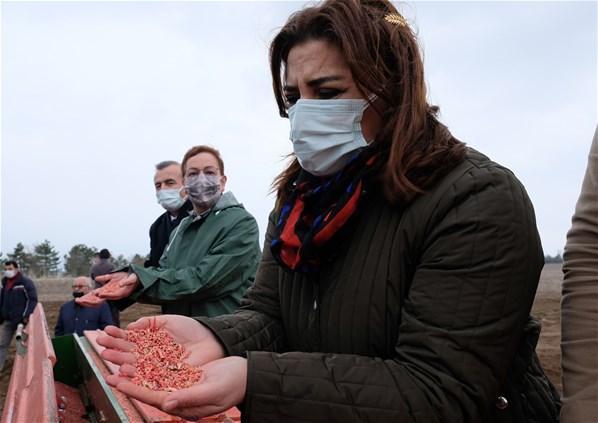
{"points": [[478, 263], [257, 324]]}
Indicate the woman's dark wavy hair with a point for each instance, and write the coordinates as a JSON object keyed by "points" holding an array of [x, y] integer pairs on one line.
{"points": [[384, 59]]}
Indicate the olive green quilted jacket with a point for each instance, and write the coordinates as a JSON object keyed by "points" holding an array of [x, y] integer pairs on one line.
{"points": [[423, 317]]}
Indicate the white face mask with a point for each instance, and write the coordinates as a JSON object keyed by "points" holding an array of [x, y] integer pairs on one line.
{"points": [[10, 273], [203, 190], [325, 133], [170, 199]]}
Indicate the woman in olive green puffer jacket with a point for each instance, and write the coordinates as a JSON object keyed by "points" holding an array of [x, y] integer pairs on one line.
{"points": [[399, 267], [422, 317]]}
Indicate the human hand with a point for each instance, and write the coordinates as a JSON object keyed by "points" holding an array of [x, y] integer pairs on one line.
{"points": [[198, 341], [222, 386], [116, 276], [118, 288], [114, 289], [90, 299]]}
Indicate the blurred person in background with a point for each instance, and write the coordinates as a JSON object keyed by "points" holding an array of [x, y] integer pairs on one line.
{"points": [[168, 182], [74, 318], [103, 267], [579, 306], [18, 298]]}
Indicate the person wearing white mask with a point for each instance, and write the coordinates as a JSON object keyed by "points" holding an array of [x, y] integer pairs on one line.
{"points": [[212, 255], [399, 266], [18, 298], [168, 182]]}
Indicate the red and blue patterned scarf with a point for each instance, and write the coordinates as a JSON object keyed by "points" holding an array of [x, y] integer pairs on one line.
{"points": [[318, 211]]}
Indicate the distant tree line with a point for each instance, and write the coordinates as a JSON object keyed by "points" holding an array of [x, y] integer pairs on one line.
{"points": [[44, 260], [553, 259]]}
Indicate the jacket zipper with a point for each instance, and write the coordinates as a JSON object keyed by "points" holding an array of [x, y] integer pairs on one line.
{"points": [[315, 312]]}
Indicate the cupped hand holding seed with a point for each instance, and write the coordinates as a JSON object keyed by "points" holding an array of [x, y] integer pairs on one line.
{"points": [[90, 299], [94, 298], [119, 289], [116, 276], [198, 340], [120, 286], [221, 387]]}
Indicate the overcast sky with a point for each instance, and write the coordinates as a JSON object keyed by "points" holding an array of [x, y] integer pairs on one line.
{"points": [[95, 93]]}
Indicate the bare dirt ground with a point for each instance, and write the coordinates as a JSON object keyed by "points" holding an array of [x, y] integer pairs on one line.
{"points": [[53, 292]]}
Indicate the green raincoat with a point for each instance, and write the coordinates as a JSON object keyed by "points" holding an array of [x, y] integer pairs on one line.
{"points": [[207, 266]]}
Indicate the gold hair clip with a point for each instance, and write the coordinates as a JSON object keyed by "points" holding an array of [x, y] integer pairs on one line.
{"points": [[395, 19]]}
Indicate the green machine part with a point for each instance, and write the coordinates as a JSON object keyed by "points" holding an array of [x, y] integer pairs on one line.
{"points": [[76, 367], [66, 369]]}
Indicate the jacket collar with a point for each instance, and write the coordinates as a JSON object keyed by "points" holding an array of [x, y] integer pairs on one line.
{"points": [[225, 201], [13, 281]]}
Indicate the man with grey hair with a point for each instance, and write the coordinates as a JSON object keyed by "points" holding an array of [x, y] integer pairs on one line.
{"points": [[74, 318], [168, 182]]}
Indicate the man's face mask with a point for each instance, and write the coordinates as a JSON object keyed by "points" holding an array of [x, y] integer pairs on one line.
{"points": [[325, 133], [203, 190], [10, 273], [170, 199]]}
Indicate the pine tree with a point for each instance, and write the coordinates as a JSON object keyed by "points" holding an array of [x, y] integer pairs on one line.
{"points": [[78, 261], [120, 261], [22, 257], [46, 259], [138, 259]]}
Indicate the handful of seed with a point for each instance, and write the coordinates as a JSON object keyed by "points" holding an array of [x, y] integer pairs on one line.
{"points": [[159, 361], [109, 288], [93, 299]]}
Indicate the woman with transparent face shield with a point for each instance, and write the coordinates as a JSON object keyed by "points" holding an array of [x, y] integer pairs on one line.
{"points": [[399, 266]]}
